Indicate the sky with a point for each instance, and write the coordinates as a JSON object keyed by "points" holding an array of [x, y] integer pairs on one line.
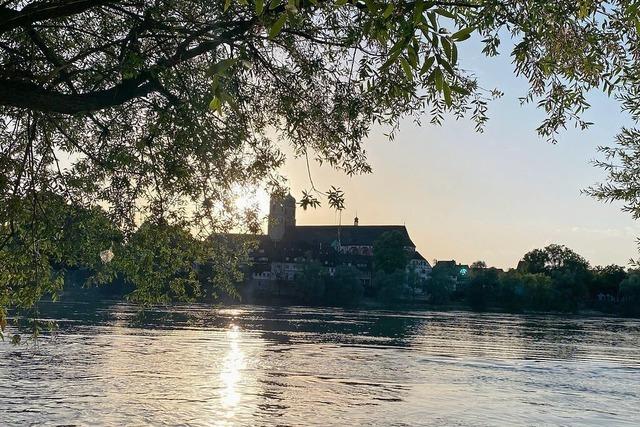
{"points": [[491, 196]]}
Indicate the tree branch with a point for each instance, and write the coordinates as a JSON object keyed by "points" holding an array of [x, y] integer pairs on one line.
{"points": [[40, 11], [22, 94]]}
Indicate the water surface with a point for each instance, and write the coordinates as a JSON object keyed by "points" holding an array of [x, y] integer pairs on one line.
{"points": [[195, 365]]}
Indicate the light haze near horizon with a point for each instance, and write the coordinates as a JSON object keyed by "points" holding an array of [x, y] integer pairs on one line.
{"points": [[491, 196]]}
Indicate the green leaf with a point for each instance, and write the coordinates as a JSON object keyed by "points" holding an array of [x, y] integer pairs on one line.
{"points": [[371, 6], [220, 68], [427, 64], [417, 11], [227, 4], [412, 57], [446, 65], [274, 4], [406, 67], [446, 90], [425, 29], [229, 100], [438, 78], [215, 83], [445, 13], [388, 11], [454, 54], [460, 90], [433, 20], [277, 26], [216, 104], [446, 46], [463, 34], [292, 7], [259, 7], [341, 2], [398, 46], [392, 58]]}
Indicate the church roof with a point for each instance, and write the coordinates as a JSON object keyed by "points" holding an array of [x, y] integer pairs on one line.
{"points": [[418, 255], [350, 235]]}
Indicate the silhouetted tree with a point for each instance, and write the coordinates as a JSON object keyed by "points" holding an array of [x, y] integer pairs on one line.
{"points": [[389, 253], [478, 265], [311, 283], [344, 288], [606, 280], [482, 287], [630, 294], [389, 286]]}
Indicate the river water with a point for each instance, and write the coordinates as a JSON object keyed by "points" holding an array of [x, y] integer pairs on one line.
{"points": [[247, 365]]}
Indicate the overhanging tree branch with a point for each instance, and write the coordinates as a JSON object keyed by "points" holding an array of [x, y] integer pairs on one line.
{"points": [[40, 11], [28, 95]]}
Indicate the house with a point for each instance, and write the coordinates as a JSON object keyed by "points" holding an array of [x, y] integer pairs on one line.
{"points": [[282, 253], [458, 274]]}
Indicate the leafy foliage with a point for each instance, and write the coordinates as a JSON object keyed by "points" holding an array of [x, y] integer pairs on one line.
{"points": [[315, 286], [344, 288], [41, 242], [390, 286], [389, 253], [158, 111], [311, 283], [630, 294]]}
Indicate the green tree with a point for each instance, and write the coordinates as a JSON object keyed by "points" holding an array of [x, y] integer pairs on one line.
{"points": [[160, 110], [569, 272], [607, 280], [160, 261], [389, 287], [389, 253], [311, 283], [478, 265], [344, 288], [482, 287], [42, 244], [535, 261], [440, 287], [630, 294]]}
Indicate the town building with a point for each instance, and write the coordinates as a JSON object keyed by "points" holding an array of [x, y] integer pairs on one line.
{"points": [[281, 254]]}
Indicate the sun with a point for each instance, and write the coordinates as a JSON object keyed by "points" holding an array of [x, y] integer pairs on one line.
{"points": [[247, 198]]}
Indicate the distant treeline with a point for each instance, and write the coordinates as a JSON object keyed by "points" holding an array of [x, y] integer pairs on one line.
{"points": [[551, 279], [554, 278]]}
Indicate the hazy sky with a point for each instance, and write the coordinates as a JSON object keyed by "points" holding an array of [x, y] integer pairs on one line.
{"points": [[492, 196]]}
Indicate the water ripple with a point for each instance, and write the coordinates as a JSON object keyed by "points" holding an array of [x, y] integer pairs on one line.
{"points": [[196, 365]]}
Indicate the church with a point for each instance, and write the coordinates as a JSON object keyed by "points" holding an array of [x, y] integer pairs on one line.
{"points": [[282, 252]]}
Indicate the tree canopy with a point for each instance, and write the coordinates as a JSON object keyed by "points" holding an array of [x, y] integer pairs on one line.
{"points": [[161, 110], [389, 253]]}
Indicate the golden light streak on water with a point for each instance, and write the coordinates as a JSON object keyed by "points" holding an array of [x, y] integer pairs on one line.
{"points": [[231, 373]]}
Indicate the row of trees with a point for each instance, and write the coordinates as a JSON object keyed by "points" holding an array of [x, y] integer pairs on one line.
{"points": [[554, 278], [317, 287]]}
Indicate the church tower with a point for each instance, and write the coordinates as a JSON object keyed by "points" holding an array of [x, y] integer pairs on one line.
{"points": [[282, 216]]}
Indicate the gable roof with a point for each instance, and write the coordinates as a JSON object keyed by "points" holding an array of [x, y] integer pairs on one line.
{"points": [[350, 235], [417, 255]]}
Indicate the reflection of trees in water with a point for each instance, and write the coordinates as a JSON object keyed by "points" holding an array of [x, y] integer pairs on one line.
{"points": [[340, 327], [443, 333]]}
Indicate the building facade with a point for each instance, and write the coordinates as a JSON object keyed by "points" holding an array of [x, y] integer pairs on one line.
{"points": [[282, 253]]}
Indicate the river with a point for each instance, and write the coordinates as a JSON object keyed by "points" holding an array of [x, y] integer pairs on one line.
{"points": [[249, 365]]}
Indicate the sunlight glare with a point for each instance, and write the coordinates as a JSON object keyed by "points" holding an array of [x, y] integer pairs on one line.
{"points": [[231, 374]]}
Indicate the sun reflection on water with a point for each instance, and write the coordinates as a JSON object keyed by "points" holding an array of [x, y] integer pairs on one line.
{"points": [[231, 374]]}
